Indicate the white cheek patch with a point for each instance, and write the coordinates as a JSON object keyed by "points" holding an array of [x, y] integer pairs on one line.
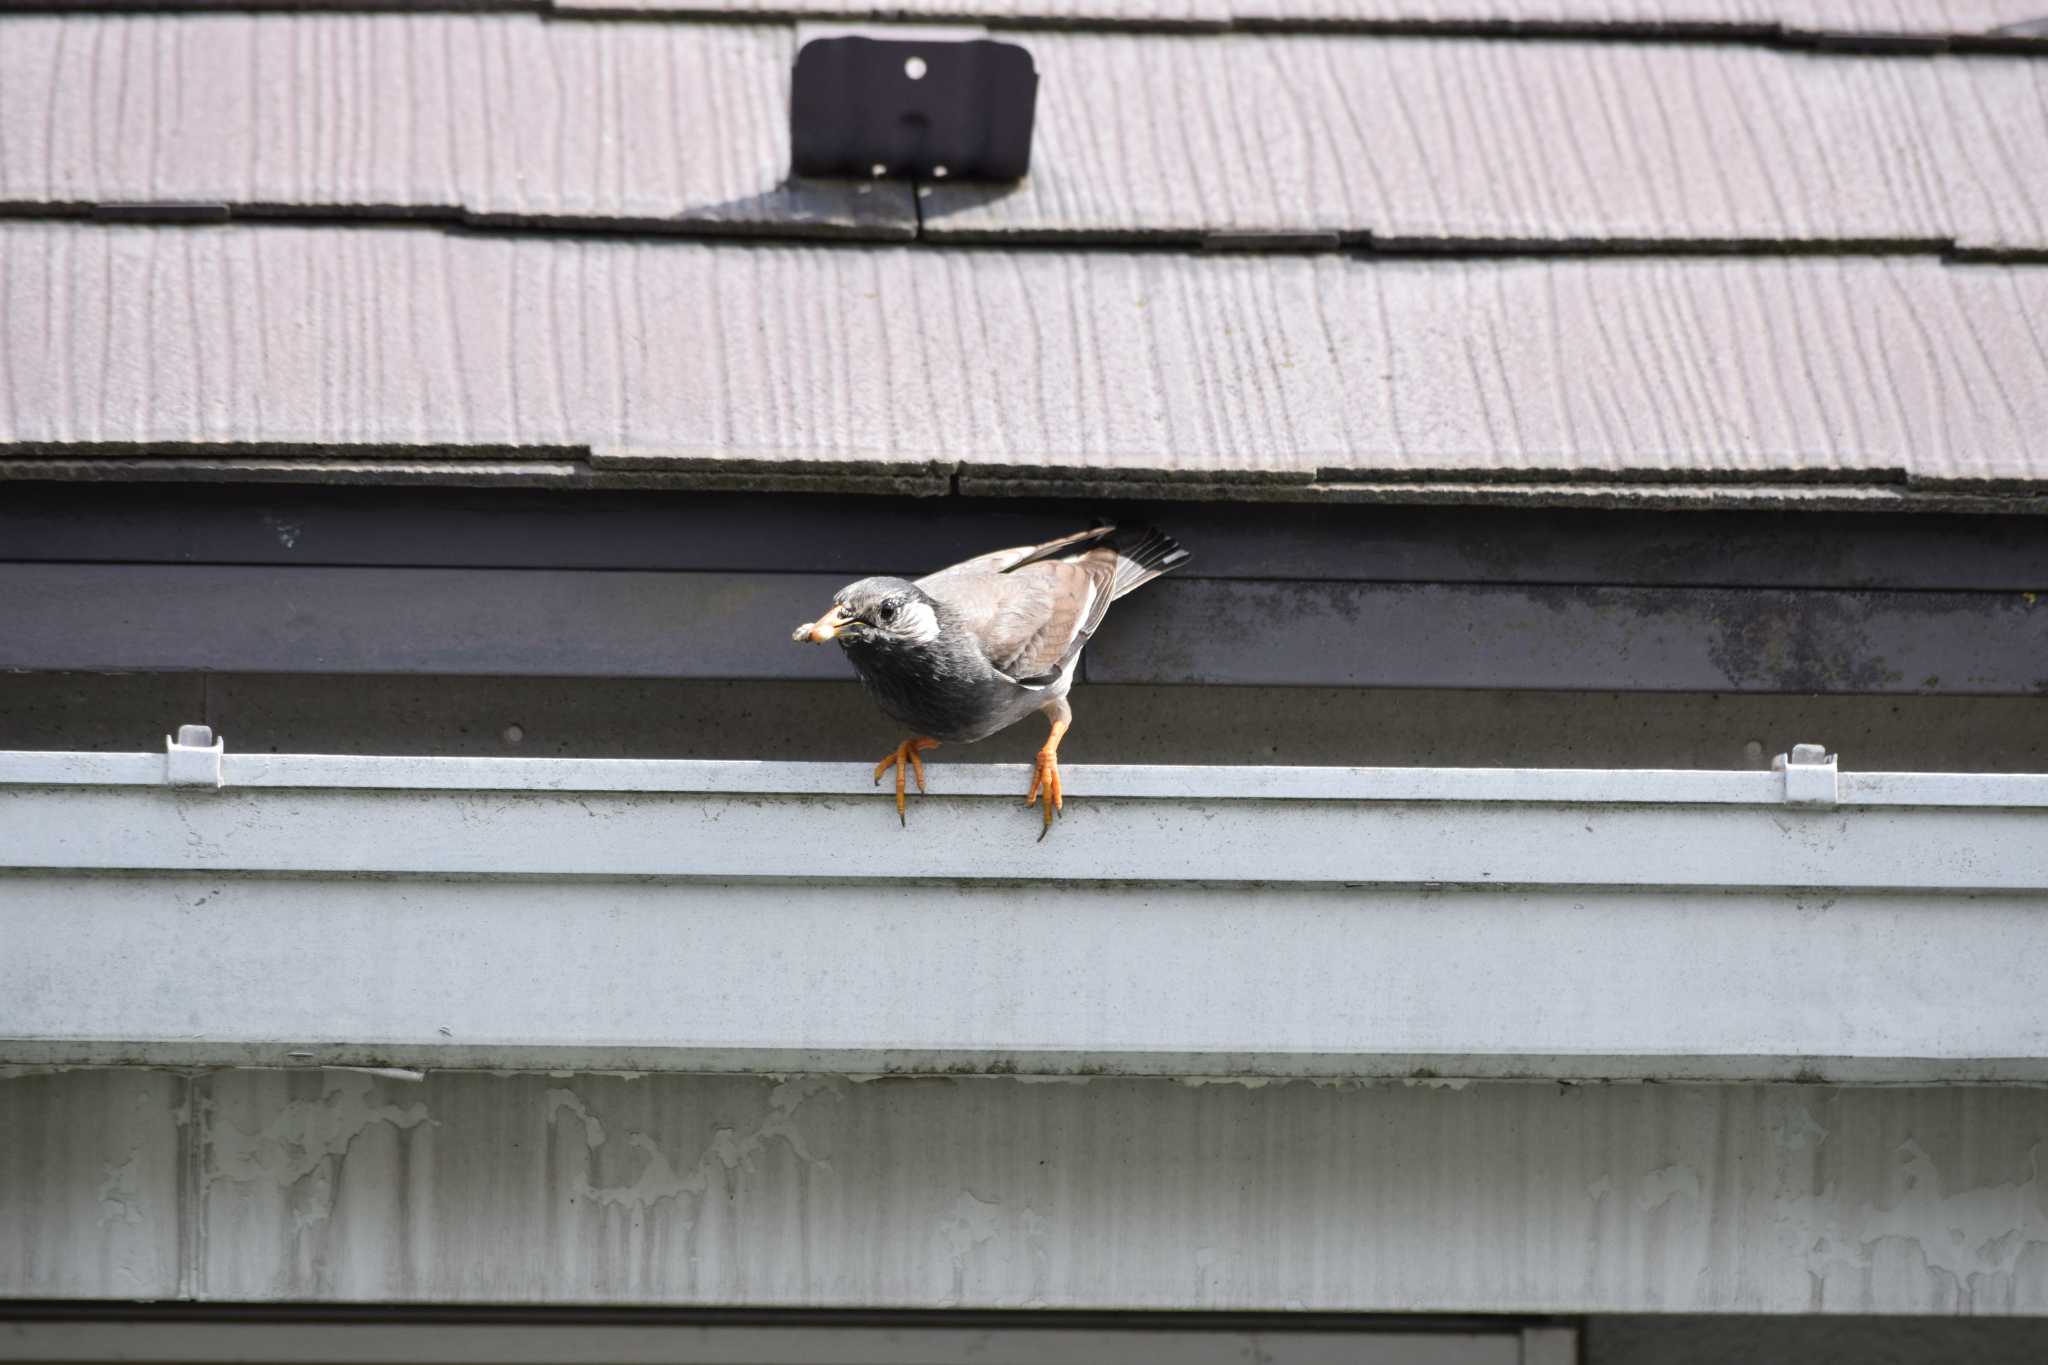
{"points": [[917, 623]]}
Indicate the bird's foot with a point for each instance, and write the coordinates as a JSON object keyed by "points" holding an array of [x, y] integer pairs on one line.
{"points": [[1045, 781], [906, 756]]}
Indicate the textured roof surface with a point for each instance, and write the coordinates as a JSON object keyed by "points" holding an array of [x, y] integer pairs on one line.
{"points": [[1885, 23], [1662, 247], [1479, 141], [2007, 20], [1437, 141], [919, 361], [492, 117]]}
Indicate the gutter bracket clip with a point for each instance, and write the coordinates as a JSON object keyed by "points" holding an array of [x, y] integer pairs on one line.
{"points": [[193, 759], [1810, 776]]}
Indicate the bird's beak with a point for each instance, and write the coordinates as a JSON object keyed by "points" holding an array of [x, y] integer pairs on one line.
{"points": [[826, 627]]}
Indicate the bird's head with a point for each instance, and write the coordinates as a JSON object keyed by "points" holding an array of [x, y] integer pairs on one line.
{"points": [[874, 611]]}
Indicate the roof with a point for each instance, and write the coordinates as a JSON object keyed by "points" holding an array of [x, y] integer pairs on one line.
{"points": [[1766, 251]]}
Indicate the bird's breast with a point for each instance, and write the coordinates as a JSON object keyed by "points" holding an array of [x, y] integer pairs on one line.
{"points": [[932, 693]]}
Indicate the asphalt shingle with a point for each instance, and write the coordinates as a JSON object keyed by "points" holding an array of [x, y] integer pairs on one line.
{"points": [[918, 363], [1669, 247], [1910, 23], [1297, 139], [497, 118], [1457, 141]]}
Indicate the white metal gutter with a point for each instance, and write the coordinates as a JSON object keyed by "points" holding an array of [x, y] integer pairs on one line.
{"points": [[202, 907], [1600, 786]]}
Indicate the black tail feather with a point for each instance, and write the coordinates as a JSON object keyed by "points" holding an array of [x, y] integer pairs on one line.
{"points": [[1143, 553]]}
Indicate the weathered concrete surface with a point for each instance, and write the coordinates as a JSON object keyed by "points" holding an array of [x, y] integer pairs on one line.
{"points": [[466, 1188], [92, 1181]]}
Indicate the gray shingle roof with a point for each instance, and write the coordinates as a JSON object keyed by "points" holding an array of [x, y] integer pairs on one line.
{"points": [[1437, 141], [1056, 367], [491, 117], [1479, 141], [1578, 265], [1923, 21], [1876, 23]]}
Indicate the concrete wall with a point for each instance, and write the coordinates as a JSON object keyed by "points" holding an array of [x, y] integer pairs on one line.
{"points": [[339, 1186]]}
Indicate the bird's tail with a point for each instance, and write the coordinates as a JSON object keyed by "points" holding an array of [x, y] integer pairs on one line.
{"points": [[1143, 554]]}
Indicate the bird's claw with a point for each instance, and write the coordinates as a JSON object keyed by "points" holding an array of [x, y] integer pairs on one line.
{"points": [[1045, 781], [905, 756]]}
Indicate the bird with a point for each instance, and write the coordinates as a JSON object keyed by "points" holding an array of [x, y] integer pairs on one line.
{"points": [[976, 647]]}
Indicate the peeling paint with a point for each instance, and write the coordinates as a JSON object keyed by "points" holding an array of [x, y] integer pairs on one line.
{"points": [[298, 1150], [1800, 1131], [120, 1201], [656, 1182], [22, 1072], [557, 1100], [728, 1150], [1667, 1183], [326, 1187], [972, 1223], [388, 1073], [1973, 1238]]}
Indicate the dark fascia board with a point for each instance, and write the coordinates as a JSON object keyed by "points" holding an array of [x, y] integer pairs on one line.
{"points": [[725, 625], [847, 537], [580, 472], [509, 582]]}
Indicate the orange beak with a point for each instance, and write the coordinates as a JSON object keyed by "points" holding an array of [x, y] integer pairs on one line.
{"points": [[825, 628]]}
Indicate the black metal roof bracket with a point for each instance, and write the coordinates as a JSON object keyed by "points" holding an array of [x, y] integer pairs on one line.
{"points": [[939, 108]]}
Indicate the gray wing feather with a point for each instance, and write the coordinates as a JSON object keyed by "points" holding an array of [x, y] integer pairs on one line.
{"points": [[1031, 608], [1016, 557], [1030, 622]]}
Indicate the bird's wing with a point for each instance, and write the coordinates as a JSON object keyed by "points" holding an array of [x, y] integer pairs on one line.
{"points": [[1031, 620], [1016, 557]]}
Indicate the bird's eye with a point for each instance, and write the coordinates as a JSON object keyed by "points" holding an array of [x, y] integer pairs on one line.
{"points": [[886, 612]]}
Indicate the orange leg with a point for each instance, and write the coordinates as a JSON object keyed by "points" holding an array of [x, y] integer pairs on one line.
{"points": [[1045, 774], [906, 756]]}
